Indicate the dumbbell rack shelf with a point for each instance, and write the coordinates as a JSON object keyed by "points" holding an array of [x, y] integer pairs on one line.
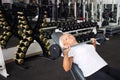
{"points": [[77, 31], [46, 28]]}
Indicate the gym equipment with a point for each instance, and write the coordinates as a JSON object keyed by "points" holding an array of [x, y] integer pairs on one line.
{"points": [[20, 55], [7, 33], [43, 30], [55, 51], [76, 72], [19, 61], [25, 34]]}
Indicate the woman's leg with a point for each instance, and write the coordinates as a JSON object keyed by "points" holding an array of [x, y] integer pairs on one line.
{"points": [[114, 73], [99, 75]]}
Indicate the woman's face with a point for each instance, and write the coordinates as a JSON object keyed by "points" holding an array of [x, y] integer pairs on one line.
{"points": [[68, 39]]}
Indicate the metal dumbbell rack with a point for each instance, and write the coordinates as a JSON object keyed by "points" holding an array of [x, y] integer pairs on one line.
{"points": [[25, 33], [7, 33], [80, 30], [41, 36]]}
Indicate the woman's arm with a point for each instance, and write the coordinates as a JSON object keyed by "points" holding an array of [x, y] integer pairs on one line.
{"points": [[67, 61]]}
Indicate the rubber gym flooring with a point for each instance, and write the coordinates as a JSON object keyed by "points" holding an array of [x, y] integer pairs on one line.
{"points": [[41, 68]]}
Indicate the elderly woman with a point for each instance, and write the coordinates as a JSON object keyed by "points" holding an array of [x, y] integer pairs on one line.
{"points": [[87, 59]]}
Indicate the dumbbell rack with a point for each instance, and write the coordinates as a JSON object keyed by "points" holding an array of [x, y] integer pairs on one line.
{"points": [[25, 34], [79, 30], [6, 35], [40, 36], [19, 32]]}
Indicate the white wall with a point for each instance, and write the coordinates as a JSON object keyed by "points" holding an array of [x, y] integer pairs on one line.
{"points": [[7, 1], [110, 1]]}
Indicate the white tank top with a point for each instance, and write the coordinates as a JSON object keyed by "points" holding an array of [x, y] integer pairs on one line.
{"points": [[86, 57]]}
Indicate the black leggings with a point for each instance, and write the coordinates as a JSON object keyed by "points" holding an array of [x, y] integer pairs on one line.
{"points": [[106, 73]]}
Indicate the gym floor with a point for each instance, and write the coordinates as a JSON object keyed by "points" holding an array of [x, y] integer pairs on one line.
{"points": [[41, 68]]}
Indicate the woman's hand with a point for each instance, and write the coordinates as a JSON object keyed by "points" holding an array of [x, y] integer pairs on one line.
{"points": [[93, 40], [65, 51]]}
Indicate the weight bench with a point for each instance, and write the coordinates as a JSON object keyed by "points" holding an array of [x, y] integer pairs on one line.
{"points": [[75, 70]]}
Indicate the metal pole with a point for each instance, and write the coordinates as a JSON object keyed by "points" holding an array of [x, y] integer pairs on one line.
{"points": [[95, 10], [92, 10], [75, 9], [56, 15], [83, 8], [112, 5], [118, 9], [100, 10]]}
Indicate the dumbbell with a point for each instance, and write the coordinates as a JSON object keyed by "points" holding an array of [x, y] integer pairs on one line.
{"points": [[7, 27], [24, 43], [1, 15], [55, 51], [27, 32], [1, 23], [3, 42], [53, 23], [20, 13], [28, 38], [76, 27], [19, 26], [20, 55], [25, 26], [21, 17], [67, 28], [4, 23], [45, 16], [19, 61], [2, 19], [22, 22], [47, 34], [5, 35], [20, 32], [70, 27], [44, 25], [44, 20], [1, 37], [22, 49]]}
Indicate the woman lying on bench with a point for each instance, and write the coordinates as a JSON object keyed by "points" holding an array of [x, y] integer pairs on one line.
{"points": [[87, 59]]}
